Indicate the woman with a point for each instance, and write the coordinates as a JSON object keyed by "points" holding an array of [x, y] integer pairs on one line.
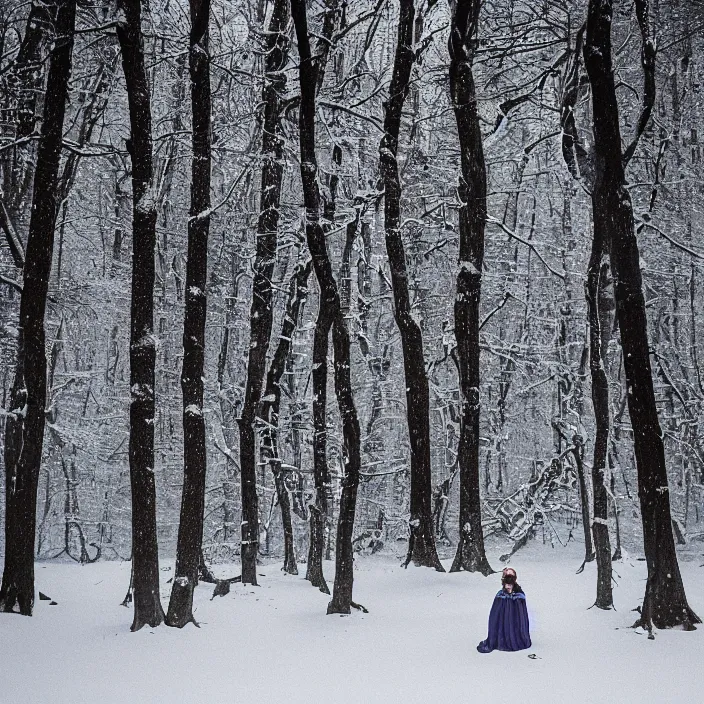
{"points": [[508, 620]]}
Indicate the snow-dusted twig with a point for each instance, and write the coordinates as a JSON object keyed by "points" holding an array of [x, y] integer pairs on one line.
{"points": [[495, 221]]}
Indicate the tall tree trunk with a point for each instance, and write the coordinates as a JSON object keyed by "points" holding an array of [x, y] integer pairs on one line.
{"points": [[600, 311], [421, 542], [190, 530], [600, 320], [24, 424], [470, 554], [271, 403], [330, 315], [262, 313], [321, 471], [665, 603], [319, 511], [351, 438], [577, 450], [227, 423], [145, 551]]}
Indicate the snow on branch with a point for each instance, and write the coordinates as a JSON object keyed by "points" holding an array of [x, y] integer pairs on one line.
{"points": [[494, 221]]}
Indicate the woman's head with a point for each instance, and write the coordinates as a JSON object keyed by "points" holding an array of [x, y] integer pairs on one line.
{"points": [[508, 576]]}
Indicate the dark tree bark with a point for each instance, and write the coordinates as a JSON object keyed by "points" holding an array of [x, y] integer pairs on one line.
{"points": [[344, 553], [470, 554], [421, 542], [321, 471], [577, 450], [345, 274], [319, 511], [364, 290], [665, 603], [24, 424], [228, 412], [25, 82], [575, 447], [600, 311], [574, 152], [262, 313], [28, 67], [271, 403], [190, 531], [330, 315], [145, 551], [600, 320]]}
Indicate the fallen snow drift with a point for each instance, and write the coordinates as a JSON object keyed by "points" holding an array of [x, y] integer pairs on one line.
{"points": [[274, 643]]}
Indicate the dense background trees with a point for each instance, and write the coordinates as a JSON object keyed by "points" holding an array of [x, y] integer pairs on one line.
{"points": [[509, 374]]}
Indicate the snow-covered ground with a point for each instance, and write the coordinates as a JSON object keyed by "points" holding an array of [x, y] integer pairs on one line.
{"points": [[274, 643]]}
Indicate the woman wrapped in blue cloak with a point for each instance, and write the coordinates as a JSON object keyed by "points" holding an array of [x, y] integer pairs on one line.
{"points": [[508, 621]]}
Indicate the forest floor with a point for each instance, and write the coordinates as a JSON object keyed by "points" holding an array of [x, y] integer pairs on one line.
{"points": [[274, 643]]}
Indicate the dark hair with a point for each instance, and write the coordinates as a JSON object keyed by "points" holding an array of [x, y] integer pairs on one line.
{"points": [[511, 579]]}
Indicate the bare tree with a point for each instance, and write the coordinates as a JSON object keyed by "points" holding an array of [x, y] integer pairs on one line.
{"points": [[421, 542], [600, 313], [665, 603], [472, 218], [24, 424], [330, 315], [262, 313], [600, 318], [145, 551], [271, 403], [190, 532], [319, 515]]}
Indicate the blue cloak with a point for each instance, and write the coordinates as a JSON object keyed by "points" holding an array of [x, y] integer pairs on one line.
{"points": [[508, 623]]}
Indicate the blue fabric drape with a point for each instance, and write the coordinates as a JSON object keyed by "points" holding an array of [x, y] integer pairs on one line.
{"points": [[508, 624]]}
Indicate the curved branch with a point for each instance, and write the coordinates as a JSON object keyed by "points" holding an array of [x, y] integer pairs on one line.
{"points": [[494, 221], [647, 59]]}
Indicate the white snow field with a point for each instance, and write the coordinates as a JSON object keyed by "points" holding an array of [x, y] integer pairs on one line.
{"points": [[274, 643]]}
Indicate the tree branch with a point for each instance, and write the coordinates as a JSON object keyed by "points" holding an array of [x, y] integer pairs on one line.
{"points": [[647, 59]]}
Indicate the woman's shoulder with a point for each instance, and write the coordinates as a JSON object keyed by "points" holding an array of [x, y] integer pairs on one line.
{"points": [[503, 594]]}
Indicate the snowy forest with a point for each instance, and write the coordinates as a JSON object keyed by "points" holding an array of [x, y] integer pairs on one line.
{"points": [[296, 294]]}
